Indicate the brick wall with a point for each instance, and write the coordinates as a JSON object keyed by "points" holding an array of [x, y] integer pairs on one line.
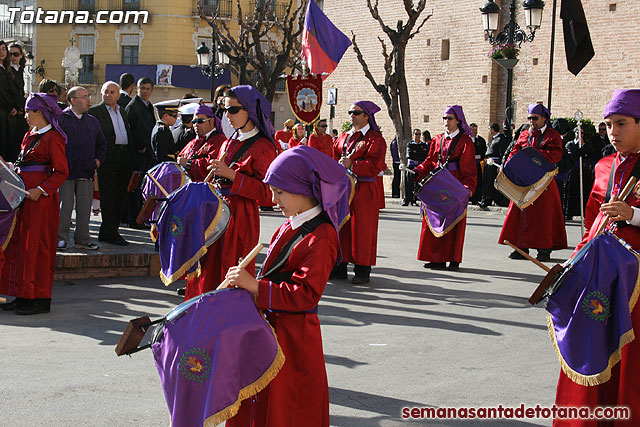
{"points": [[473, 80]]}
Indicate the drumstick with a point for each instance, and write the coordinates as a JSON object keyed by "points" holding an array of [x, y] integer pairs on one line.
{"points": [[15, 187], [245, 261], [212, 173], [158, 184], [623, 195], [527, 256]]}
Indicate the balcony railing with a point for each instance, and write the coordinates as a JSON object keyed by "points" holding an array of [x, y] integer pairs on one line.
{"points": [[15, 31], [92, 6], [223, 8], [275, 10]]}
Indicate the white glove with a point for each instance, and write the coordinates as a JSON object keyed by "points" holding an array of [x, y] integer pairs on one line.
{"points": [[402, 166], [490, 161]]}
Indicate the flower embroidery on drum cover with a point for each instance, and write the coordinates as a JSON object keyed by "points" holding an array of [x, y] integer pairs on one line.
{"points": [[596, 305], [177, 227], [195, 365]]}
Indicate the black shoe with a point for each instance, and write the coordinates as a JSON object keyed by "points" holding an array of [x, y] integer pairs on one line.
{"points": [[414, 204], [517, 255], [137, 226], [181, 291], [405, 203], [339, 272], [453, 266], [118, 240], [436, 265], [34, 306], [544, 255], [359, 280], [10, 306]]}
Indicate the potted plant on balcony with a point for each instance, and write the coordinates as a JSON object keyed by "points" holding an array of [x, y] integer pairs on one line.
{"points": [[506, 55]]}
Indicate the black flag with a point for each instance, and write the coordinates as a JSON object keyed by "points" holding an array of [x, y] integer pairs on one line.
{"points": [[577, 41]]}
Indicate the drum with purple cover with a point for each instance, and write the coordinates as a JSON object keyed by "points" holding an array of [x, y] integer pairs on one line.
{"points": [[444, 200], [192, 218], [170, 175], [211, 352], [525, 177], [11, 197]]}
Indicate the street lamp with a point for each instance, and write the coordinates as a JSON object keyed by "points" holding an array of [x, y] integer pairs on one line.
{"points": [[30, 65], [511, 34], [212, 64]]}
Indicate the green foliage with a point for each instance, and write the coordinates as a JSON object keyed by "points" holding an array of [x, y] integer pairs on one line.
{"points": [[346, 126], [588, 128]]}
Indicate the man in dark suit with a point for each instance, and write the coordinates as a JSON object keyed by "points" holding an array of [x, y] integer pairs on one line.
{"points": [[142, 119], [114, 173], [127, 86]]}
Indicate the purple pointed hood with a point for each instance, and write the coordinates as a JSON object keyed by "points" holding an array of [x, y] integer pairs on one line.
{"points": [[369, 109], [258, 107], [456, 110], [47, 105]]}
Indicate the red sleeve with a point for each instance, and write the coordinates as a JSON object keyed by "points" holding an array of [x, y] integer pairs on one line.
{"points": [[373, 162], [251, 172], [431, 161], [552, 147], [315, 142], [311, 261], [55, 148], [467, 163], [208, 151]]}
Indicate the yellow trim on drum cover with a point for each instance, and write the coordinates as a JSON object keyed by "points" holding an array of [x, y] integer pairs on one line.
{"points": [[523, 190], [203, 250], [449, 228]]}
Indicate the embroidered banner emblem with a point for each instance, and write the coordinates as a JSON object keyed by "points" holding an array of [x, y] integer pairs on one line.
{"points": [[195, 365], [177, 227], [597, 306]]}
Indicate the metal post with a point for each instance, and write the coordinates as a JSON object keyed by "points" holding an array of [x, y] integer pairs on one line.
{"points": [[512, 25], [553, 39], [212, 66]]}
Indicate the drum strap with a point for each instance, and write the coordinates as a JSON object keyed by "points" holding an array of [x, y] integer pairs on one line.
{"points": [[451, 148], [634, 172], [540, 138], [354, 145], [34, 144], [286, 250], [236, 156]]}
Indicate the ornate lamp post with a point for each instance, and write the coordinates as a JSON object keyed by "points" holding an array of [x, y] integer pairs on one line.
{"points": [[212, 64], [511, 34]]}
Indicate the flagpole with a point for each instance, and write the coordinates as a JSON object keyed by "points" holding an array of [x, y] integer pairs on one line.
{"points": [[553, 40]]}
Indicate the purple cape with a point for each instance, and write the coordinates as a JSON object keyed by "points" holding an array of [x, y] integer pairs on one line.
{"points": [[47, 105], [456, 110], [589, 316], [369, 109], [305, 170], [215, 350], [625, 102], [258, 107]]}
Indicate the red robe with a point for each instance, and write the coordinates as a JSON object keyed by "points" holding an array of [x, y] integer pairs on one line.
{"points": [[623, 389], [299, 394], [359, 235], [283, 135], [323, 143], [31, 252], [293, 142], [541, 225], [200, 152], [243, 232], [448, 247]]}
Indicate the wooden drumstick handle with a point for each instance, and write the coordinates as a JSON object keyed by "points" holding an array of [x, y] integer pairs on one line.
{"points": [[15, 187], [245, 261], [623, 195], [155, 181], [527, 256], [2, 300], [212, 173]]}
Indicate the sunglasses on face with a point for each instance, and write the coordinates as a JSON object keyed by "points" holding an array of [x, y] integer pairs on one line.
{"points": [[533, 118], [355, 112], [322, 126], [16, 54], [199, 121], [448, 118], [234, 109]]}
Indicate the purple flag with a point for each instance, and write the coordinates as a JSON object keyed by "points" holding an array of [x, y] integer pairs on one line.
{"points": [[189, 221], [170, 176], [589, 316], [444, 202], [7, 224], [215, 350]]}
